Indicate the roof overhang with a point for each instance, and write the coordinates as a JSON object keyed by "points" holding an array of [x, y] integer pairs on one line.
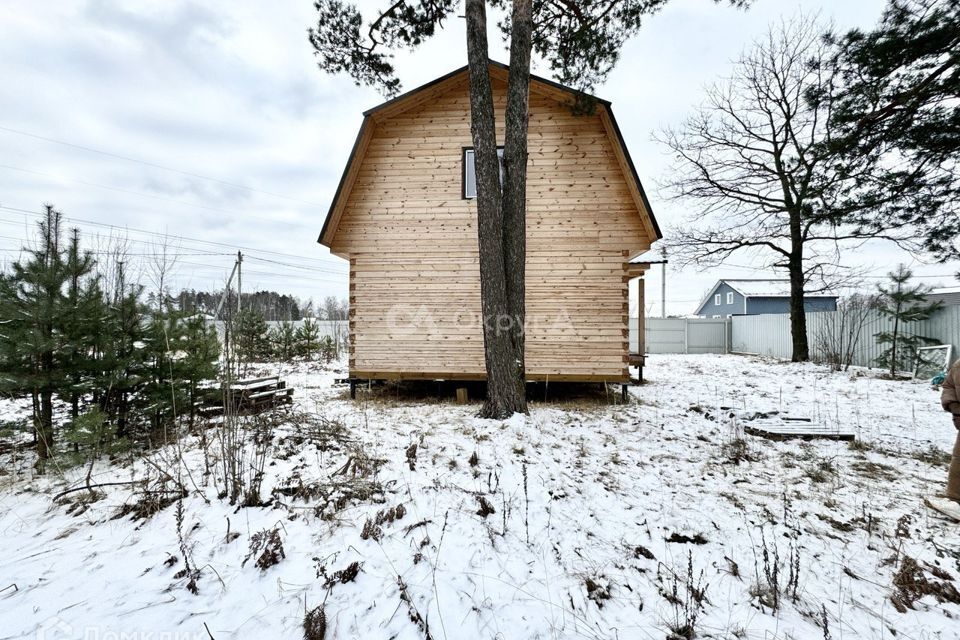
{"points": [[500, 71]]}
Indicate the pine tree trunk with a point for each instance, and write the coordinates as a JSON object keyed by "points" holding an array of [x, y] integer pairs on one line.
{"points": [[35, 405], [122, 414], [514, 201], [74, 305], [893, 346], [193, 405], [500, 356], [45, 428]]}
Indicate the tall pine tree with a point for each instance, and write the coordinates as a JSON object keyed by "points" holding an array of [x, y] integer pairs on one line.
{"points": [[897, 118], [118, 366], [83, 323], [41, 344]]}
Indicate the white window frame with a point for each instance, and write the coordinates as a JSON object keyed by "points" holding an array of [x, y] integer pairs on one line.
{"points": [[469, 178], [729, 297], [716, 299]]}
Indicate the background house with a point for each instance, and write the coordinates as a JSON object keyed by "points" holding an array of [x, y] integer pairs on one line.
{"points": [[757, 297], [946, 295]]}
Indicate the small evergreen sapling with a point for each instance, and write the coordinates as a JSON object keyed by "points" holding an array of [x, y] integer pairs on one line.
{"points": [[284, 340], [123, 337], [327, 349], [251, 337], [162, 394], [201, 360], [902, 302], [308, 338], [93, 436]]}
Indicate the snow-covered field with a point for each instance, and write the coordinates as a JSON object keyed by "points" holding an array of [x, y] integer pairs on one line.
{"points": [[583, 519]]}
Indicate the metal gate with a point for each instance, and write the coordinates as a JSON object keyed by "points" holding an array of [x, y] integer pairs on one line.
{"points": [[684, 335]]}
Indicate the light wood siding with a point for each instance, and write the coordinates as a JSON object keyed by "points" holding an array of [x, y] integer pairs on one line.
{"points": [[412, 244]]}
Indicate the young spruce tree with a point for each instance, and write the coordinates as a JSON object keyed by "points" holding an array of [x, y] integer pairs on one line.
{"points": [[284, 340], [308, 338], [902, 303], [201, 350]]}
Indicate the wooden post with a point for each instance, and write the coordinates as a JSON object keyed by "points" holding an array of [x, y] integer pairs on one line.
{"points": [[641, 315], [462, 395], [663, 284]]}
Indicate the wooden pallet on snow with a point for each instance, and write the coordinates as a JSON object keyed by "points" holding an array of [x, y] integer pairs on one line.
{"points": [[784, 428]]}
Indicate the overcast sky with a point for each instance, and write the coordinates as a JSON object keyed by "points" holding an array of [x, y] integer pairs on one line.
{"points": [[209, 120]]}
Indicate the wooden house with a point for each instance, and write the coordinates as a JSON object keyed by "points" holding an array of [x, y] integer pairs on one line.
{"points": [[757, 296], [404, 216]]}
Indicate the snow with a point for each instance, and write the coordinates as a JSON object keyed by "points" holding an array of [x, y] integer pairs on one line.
{"points": [[565, 554]]}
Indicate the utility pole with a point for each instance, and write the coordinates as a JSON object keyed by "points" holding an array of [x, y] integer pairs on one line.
{"points": [[226, 292], [239, 281]]}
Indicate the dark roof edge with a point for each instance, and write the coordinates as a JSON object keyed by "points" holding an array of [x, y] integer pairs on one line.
{"points": [[458, 71], [343, 178], [787, 296], [500, 65], [415, 90], [709, 293], [633, 170]]}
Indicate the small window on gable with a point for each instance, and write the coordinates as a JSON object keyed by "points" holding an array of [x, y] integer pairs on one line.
{"points": [[470, 173], [729, 297], [716, 299]]}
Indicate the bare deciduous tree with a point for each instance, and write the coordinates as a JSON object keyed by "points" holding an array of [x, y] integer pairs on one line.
{"points": [[756, 162], [161, 266]]}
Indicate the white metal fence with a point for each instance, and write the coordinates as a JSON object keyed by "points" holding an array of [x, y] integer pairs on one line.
{"points": [[683, 335], [769, 335]]}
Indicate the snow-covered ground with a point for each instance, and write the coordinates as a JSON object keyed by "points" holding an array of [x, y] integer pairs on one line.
{"points": [[582, 519]]}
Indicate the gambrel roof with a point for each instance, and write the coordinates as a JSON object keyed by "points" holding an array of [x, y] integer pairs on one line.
{"points": [[445, 83]]}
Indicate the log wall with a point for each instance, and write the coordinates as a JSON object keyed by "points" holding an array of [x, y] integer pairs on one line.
{"points": [[412, 243]]}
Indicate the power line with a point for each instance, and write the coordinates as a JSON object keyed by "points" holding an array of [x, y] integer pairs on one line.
{"points": [[156, 166], [295, 266], [176, 236], [175, 260], [220, 269], [20, 249]]}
